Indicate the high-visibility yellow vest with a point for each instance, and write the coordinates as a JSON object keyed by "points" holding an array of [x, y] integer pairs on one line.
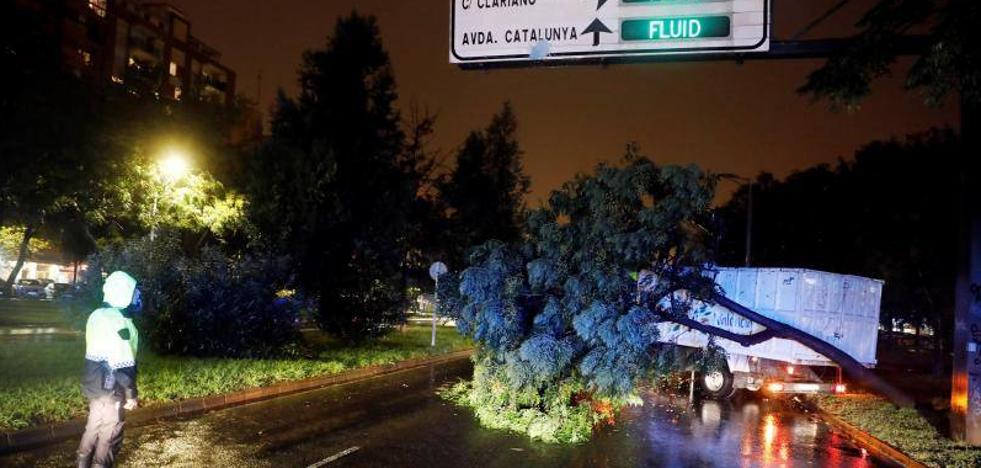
{"points": [[106, 334], [111, 337]]}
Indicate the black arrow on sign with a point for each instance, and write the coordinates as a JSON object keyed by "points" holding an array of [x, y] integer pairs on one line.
{"points": [[601, 3], [596, 27]]}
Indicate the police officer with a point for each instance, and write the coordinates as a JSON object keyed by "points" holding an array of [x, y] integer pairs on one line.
{"points": [[109, 379]]}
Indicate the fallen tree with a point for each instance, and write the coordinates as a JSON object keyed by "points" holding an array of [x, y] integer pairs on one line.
{"points": [[562, 339]]}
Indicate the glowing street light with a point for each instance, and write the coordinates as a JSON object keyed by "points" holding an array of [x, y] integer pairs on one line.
{"points": [[173, 167]]}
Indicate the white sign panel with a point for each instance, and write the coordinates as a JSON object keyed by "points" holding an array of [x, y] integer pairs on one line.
{"points": [[437, 269], [502, 31]]}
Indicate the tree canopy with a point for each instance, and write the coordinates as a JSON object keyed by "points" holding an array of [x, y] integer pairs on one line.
{"points": [[948, 63], [52, 155]]}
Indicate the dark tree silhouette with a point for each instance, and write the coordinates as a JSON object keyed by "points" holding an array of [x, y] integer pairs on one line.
{"points": [[338, 184], [891, 213], [52, 158], [485, 192], [948, 63]]}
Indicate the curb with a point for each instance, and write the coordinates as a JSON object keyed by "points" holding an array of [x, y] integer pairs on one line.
{"points": [[37, 331], [52, 433], [874, 445]]}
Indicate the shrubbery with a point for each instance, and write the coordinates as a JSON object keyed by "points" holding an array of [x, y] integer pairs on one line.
{"points": [[561, 338], [207, 305]]}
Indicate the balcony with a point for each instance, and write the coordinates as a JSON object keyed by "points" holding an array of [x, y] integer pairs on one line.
{"points": [[215, 83], [146, 49]]}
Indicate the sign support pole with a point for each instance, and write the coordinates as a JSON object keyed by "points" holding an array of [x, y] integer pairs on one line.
{"points": [[691, 388], [435, 308], [436, 270]]}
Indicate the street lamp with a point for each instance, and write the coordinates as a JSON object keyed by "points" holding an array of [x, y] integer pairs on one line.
{"points": [[749, 212], [172, 168]]}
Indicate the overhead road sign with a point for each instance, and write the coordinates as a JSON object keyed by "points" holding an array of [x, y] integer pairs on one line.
{"points": [[487, 32]]}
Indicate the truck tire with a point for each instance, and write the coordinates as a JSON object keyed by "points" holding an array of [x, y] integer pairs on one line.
{"points": [[717, 384]]}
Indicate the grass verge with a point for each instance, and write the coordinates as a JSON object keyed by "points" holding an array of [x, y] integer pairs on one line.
{"points": [[17, 313], [39, 380], [902, 428]]}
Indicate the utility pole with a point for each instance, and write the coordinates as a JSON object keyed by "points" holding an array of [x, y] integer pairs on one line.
{"points": [[751, 187], [965, 398], [749, 225]]}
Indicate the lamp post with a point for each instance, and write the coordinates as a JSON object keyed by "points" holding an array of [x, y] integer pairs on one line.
{"points": [[170, 169], [749, 213]]}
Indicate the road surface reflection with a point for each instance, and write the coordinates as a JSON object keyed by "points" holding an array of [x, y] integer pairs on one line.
{"points": [[398, 420]]}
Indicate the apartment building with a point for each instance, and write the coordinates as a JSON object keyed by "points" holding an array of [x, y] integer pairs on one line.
{"points": [[146, 45]]}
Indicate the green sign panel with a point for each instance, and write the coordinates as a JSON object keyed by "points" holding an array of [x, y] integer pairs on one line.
{"points": [[675, 28]]}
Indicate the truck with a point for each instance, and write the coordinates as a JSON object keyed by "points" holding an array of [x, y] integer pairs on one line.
{"points": [[841, 310]]}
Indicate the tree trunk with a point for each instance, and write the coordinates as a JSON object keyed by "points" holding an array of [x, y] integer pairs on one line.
{"points": [[25, 242], [852, 367]]}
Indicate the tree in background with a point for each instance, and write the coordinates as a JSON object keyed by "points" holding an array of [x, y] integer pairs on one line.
{"points": [[886, 214], [77, 162], [948, 63], [485, 192], [51, 154], [561, 339], [337, 185]]}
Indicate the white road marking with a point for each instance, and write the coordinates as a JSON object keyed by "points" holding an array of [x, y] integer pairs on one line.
{"points": [[335, 457]]}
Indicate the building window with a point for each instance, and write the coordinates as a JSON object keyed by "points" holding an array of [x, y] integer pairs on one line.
{"points": [[177, 61], [181, 29], [86, 57], [99, 7]]}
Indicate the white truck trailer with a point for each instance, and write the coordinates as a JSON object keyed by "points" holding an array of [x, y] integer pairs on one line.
{"points": [[841, 310]]}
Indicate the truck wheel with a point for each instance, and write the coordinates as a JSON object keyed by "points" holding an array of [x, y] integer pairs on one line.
{"points": [[717, 384]]}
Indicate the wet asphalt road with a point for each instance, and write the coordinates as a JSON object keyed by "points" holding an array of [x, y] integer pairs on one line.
{"points": [[398, 421]]}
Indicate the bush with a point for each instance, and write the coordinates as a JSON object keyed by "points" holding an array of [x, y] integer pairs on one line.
{"points": [[209, 305]]}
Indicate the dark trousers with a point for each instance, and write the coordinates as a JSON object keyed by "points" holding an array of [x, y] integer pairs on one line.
{"points": [[103, 433]]}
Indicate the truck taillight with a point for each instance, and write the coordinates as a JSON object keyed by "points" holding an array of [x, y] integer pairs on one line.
{"points": [[790, 370], [840, 388]]}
